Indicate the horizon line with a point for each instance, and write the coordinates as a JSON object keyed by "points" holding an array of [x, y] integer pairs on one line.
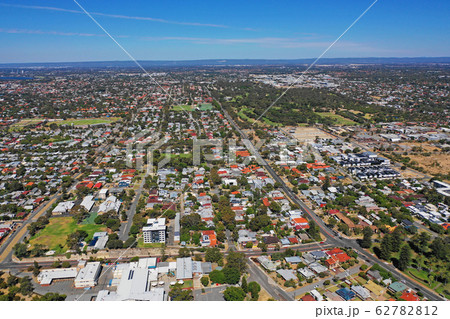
{"points": [[229, 59]]}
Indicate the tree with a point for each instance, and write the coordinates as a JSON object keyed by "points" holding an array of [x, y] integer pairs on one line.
{"points": [[421, 241], [404, 259], [244, 284], [440, 249], [21, 250], [254, 288], [217, 276], [130, 242], [313, 230], [228, 217], [12, 281], [236, 260], [74, 239], [113, 224], [205, 281], [386, 247], [234, 294], [214, 177], [259, 222], [213, 255], [191, 221], [115, 244], [26, 286], [134, 229], [366, 242], [397, 239], [36, 268], [184, 252], [51, 297], [178, 294], [232, 275]]}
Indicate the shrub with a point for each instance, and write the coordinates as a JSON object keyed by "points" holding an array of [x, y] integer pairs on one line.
{"points": [[205, 281]]}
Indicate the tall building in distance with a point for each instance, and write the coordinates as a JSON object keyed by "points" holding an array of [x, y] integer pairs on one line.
{"points": [[155, 231]]}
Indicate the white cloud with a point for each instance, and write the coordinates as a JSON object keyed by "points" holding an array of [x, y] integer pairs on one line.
{"points": [[116, 16], [26, 31]]}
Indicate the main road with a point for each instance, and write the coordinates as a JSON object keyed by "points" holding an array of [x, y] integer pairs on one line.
{"points": [[327, 232]]}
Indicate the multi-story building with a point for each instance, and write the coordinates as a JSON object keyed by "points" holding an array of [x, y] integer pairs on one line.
{"points": [[155, 231]]}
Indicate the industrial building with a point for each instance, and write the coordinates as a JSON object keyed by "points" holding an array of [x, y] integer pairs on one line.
{"points": [[47, 276], [136, 281]]}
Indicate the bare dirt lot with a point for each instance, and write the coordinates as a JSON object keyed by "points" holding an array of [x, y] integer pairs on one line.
{"points": [[307, 134], [435, 163]]}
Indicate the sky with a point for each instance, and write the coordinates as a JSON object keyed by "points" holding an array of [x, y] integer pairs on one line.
{"points": [[59, 30]]}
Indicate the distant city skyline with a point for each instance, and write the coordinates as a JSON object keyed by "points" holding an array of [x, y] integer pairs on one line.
{"points": [[59, 31]]}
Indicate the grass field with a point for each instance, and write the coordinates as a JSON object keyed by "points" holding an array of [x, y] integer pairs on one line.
{"points": [[419, 274], [182, 107], [188, 284], [22, 123], [153, 245], [205, 107], [182, 155], [422, 276], [56, 232], [244, 116], [269, 122], [338, 120], [75, 122], [90, 219]]}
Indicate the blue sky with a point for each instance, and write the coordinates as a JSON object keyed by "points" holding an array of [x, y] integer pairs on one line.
{"points": [[58, 31]]}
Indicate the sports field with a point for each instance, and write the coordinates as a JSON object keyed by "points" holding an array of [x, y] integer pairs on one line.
{"points": [[205, 107], [56, 232], [187, 108]]}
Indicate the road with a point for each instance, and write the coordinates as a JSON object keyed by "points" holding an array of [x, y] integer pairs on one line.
{"points": [[258, 275], [125, 228], [328, 233], [210, 294]]}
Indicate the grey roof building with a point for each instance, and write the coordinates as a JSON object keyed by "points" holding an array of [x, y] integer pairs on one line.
{"points": [[184, 268]]}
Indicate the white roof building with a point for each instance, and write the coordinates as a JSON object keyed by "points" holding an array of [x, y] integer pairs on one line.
{"points": [[46, 276], [88, 276], [134, 284], [317, 268], [88, 202], [287, 274], [362, 292], [305, 272], [63, 207], [316, 295], [111, 203]]}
